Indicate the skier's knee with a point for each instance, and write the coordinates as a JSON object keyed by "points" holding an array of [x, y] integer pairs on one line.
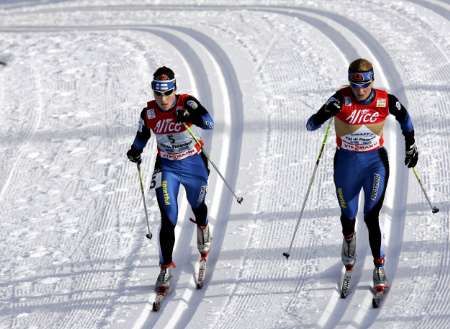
{"points": [[348, 225], [167, 228]]}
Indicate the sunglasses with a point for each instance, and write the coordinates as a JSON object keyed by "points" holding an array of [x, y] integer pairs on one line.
{"points": [[163, 93], [360, 85]]}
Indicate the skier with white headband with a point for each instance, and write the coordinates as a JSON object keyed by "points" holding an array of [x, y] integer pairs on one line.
{"points": [[180, 160]]}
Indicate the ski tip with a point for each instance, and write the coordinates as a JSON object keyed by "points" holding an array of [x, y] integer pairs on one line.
{"points": [[286, 254], [435, 210], [199, 286], [148, 236]]}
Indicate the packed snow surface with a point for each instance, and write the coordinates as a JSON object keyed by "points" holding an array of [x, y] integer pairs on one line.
{"points": [[74, 76]]}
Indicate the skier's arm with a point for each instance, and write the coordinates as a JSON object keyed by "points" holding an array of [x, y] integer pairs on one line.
{"points": [[141, 139], [328, 110], [401, 115], [142, 135], [196, 113]]}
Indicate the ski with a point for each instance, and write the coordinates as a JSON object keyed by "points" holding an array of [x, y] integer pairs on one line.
{"points": [[160, 295], [379, 293], [201, 273], [345, 285]]}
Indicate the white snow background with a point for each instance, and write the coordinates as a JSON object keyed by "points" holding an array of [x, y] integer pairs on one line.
{"points": [[73, 252]]}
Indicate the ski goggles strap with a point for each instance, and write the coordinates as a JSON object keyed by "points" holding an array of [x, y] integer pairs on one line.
{"points": [[164, 85]]}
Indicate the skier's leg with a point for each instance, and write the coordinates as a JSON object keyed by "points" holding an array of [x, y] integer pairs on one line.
{"points": [[196, 187], [167, 200], [374, 191], [348, 185]]}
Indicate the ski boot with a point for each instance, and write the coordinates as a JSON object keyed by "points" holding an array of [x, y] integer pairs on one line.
{"points": [[162, 284], [203, 245], [348, 253], [380, 284], [203, 240], [348, 256], [379, 276]]}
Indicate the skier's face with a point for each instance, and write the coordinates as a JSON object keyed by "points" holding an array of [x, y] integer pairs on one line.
{"points": [[165, 100], [362, 93]]}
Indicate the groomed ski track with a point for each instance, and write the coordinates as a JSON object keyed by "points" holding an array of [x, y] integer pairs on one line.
{"points": [[264, 151]]}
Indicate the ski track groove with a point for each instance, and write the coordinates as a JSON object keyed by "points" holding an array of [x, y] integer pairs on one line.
{"points": [[433, 304], [301, 281], [445, 258], [85, 280], [26, 141], [348, 55]]}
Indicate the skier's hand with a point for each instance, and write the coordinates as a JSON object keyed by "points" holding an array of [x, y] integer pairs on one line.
{"points": [[311, 125], [332, 106], [188, 113], [411, 156], [184, 116], [134, 155]]}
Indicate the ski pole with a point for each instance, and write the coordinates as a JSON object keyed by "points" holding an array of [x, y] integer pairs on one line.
{"points": [[433, 208], [149, 234], [324, 141], [239, 199]]}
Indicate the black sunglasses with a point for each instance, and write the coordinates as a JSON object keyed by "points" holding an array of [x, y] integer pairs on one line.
{"points": [[163, 93]]}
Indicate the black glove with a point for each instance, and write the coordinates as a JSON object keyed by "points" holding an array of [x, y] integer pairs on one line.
{"points": [[332, 106], [189, 112], [411, 156], [184, 116], [134, 155]]}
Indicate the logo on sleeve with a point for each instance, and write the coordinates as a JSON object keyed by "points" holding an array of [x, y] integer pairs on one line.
{"points": [[347, 100], [151, 114]]}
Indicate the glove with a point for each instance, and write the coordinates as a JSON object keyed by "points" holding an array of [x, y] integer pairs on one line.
{"points": [[134, 155], [188, 114], [184, 116], [333, 106], [411, 156], [311, 125]]}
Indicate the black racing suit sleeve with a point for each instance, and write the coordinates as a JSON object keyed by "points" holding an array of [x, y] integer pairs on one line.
{"points": [[400, 113], [143, 134], [199, 115], [328, 110]]}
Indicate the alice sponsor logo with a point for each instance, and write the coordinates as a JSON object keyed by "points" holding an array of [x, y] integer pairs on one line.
{"points": [[167, 126], [362, 117]]}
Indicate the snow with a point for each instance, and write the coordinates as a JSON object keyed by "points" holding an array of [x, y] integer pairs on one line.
{"points": [[73, 250]]}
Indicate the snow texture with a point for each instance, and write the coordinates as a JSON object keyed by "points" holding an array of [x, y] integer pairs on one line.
{"points": [[74, 76]]}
